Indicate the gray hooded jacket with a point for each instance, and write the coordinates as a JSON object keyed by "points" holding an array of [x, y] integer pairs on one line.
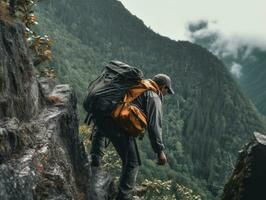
{"points": [[151, 104]]}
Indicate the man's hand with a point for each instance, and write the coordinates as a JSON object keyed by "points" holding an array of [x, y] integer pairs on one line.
{"points": [[161, 158]]}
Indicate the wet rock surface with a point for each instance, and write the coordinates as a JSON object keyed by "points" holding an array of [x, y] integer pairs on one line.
{"points": [[20, 95], [248, 179], [10, 141], [101, 185], [51, 166], [41, 156]]}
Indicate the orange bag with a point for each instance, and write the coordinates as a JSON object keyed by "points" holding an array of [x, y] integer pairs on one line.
{"points": [[128, 116]]}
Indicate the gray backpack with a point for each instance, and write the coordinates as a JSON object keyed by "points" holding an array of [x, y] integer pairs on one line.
{"points": [[105, 92]]}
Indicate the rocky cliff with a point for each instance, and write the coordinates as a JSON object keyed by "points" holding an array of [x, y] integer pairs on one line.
{"points": [[248, 179], [41, 156], [20, 94]]}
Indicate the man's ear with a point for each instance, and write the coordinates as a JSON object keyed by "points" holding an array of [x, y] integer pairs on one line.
{"points": [[164, 87]]}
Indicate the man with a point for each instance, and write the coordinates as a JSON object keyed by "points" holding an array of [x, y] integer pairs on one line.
{"points": [[151, 104]]}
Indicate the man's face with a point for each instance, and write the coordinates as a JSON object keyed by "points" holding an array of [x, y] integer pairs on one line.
{"points": [[164, 90]]}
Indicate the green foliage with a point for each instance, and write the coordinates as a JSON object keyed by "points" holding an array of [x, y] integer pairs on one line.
{"points": [[40, 45], [185, 193], [112, 162], [85, 132], [158, 189]]}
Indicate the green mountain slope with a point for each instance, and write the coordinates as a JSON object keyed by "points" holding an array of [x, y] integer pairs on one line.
{"points": [[253, 80], [207, 120]]}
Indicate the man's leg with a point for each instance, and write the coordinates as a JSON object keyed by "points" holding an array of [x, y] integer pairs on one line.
{"points": [[97, 185], [127, 152], [97, 147]]}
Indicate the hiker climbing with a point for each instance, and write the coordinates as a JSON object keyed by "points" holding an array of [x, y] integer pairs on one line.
{"points": [[122, 105]]}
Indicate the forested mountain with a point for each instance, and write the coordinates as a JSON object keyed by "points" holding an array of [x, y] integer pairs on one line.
{"points": [[248, 58], [205, 122], [253, 80]]}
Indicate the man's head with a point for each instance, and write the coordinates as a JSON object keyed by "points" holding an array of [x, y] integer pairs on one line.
{"points": [[164, 83]]}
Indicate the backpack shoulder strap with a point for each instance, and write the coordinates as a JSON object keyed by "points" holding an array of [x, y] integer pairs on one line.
{"points": [[151, 85], [139, 89]]}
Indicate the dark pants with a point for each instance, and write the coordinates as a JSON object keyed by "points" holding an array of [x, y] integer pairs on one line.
{"points": [[125, 147]]}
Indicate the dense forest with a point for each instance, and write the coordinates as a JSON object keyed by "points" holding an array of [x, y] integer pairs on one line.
{"points": [[205, 123]]}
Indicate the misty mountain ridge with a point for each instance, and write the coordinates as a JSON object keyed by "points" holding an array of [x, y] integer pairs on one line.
{"points": [[245, 58]]}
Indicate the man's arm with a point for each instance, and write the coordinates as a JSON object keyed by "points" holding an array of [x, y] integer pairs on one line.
{"points": [[154, 114]]}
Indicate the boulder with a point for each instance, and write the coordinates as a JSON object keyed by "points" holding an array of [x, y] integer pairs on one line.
{"points": [[248, 179]]}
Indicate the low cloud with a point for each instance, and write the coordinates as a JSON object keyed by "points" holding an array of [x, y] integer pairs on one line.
{"points": [[236, 70], [223, 44], [237, 51]]}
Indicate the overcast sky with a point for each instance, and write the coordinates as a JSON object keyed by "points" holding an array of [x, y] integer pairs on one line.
{"points": [[234, 18]]}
